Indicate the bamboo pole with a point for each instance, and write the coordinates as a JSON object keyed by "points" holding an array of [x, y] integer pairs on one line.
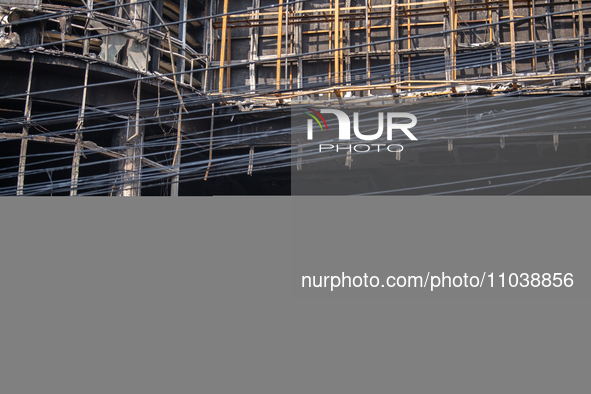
{"points": [[229, 61], [330, 46], [22, 160], [512, 30], [176, 161], [490, 35], [336, 39], [533, 36], [86, 44], [298, 49], [341, 52], [182, 35], [368, 37], [453, 16], [210, 141], [254, 47], [550, 33], [581, 38], [223, 46], [489, 20], [279, 35], [497, 40], [409, 44], [287, 51], [347, 40], [393, 43], [447, 45], [79, 127]]}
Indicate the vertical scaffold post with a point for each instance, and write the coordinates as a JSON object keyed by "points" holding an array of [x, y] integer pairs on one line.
{"points": [[176, 161], [368, 39], [298, 49], [254, 47], [337, 18], [512, 31], [550, 34], [22, 160], [79, 130], [581, 38], [279, 36], [453, 18], [223, 46], [393, 36]]}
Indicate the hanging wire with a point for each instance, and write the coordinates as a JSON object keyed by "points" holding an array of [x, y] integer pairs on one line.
{"points": [[275, 119]]}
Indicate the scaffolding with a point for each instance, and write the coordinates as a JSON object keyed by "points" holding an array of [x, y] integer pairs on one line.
{"points": [[399, 34], [142, 84]]}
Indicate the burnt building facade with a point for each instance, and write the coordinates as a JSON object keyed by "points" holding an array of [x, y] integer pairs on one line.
{"points": [[195, 97]]}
